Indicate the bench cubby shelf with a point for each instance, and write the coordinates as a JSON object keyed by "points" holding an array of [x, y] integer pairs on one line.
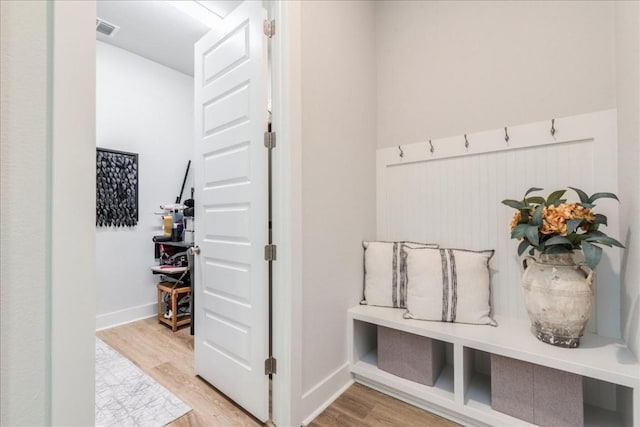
{"points": [[463, 394]]}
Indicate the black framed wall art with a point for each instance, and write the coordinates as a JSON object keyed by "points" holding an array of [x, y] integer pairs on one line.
{"points": [[116, 188]]}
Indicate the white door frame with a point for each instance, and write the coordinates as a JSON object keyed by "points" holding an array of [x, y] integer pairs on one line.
{"points": [[73, 17], [287, 214]]}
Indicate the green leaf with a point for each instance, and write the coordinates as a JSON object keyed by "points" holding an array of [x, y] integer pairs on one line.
{"points": [[605, 240], [513, 204], [531, 233], [524, 216], [559, 202], [600, 219], [557, 249], [592, 254], [583, 196], [572, 225], [537, 216], [557, 240], [575, 239], [581, 237], [523, 247], [518, 231], [537, 200], [554, 196], [532, 189], [597, 196]]}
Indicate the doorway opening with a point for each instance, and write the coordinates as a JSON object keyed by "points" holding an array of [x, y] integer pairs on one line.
{"points": [[145, 105]]}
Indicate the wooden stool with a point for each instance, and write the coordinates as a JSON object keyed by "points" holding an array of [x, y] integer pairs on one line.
{"points": [[174, 291]]}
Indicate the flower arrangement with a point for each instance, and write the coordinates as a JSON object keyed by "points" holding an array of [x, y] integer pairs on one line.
{"points": [[554, 226]]}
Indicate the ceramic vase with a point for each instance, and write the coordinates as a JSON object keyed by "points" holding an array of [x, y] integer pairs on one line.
{"points": [[558, 295]]}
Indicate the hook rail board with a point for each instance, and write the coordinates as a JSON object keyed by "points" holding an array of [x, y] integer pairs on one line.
{"points": [[547, 132]]}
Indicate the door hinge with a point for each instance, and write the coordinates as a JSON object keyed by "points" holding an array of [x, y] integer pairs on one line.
{"points": [[270, 253], [270, 366], [269, 28], [270, 139]]}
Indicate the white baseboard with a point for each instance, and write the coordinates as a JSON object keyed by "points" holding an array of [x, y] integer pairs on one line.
{"points": [[128, 315], [320, 396]]}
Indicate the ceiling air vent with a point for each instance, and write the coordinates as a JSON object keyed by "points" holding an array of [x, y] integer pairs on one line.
{"points": [[106, 28]]}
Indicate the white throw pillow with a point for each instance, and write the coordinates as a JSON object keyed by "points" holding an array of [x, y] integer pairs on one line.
{"points": [[448, 285], [384, 283]]}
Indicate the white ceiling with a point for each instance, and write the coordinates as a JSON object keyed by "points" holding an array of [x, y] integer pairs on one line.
{"points": [[162, 31]]}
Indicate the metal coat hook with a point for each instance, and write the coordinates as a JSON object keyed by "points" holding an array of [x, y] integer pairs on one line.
{"points": [[401, 152], [506, 135], [431, 149], [466, 141], [553, 127]]}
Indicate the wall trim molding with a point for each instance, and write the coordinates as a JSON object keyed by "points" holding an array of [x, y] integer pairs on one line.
{"points": [[128, 315], [321, 395]]}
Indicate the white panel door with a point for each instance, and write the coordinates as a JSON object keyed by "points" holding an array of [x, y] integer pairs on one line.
{"points": [[231, 284]]}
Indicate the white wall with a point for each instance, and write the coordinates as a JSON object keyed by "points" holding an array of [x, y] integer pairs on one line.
{"points": [[72, 251], [47, 187], [628, 102], [145, 108], [24, 207], [72, 235], [338, 183], [448, 68]]}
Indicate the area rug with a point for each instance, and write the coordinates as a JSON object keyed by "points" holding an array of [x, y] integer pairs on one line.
{"points": [[126, 396]]}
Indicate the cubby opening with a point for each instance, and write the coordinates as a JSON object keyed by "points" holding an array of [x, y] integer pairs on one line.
{"points": [[607, 404], [365, 343], [446, 379], [477, 378], [604, 403], [366, 363]]}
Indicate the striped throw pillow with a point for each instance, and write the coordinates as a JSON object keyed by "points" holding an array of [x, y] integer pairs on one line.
{"points": [[383, 278], [448, 285]]}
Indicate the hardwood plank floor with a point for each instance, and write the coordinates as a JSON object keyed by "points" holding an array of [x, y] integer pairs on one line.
{"points": [[364, 407], [168, 358]]}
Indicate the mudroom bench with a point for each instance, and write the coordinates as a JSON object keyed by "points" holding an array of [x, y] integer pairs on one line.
{"points": [[462, 390]]}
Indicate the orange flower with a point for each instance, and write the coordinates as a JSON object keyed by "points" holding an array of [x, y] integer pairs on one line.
{"points": [[554, 220], [555, 217], [515, 220], [551, 217]]}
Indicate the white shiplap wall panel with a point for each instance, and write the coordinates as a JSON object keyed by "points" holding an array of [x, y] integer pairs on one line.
{"points": [[453, 196]]}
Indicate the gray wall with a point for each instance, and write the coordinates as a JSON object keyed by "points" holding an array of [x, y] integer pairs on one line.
{"points": [[338, 182], [628, 101], [24, 207], [145, 108], [448, 68], [47, 210]]}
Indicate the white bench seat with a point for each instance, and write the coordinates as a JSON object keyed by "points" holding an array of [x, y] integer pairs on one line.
{"points": [[464, 395]]}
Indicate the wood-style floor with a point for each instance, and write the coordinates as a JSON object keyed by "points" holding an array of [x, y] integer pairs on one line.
{"points": [[363, 407], [168, 358]]}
